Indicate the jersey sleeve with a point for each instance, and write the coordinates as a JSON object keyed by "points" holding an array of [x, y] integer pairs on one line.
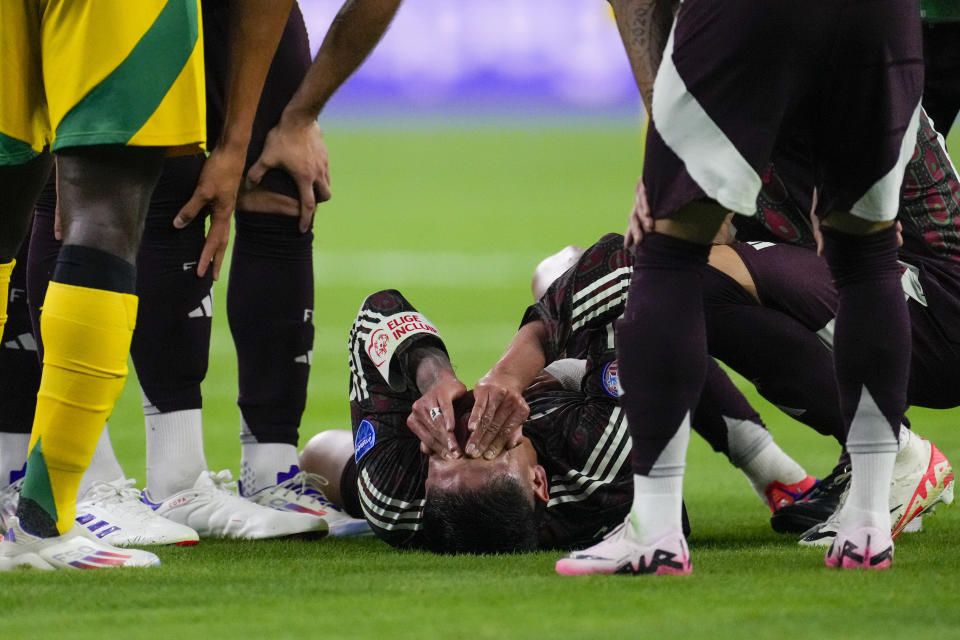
{"points": [[588, 296]]}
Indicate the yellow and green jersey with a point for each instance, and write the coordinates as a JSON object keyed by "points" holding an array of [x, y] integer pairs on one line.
{"points": [[91, 72]]}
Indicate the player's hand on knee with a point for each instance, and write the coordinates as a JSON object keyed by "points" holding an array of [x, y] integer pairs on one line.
{"points": [[640, 221], [296, 146], [217, 191], [432, 419], [498, 414]]}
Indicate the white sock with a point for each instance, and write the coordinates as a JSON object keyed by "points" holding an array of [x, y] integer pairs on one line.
{"points": [[175, 457], [873, 452], [13, 456], [261, 465], [104, 466], [771, 465], [752, 450], [657, 507], [658, 497]]}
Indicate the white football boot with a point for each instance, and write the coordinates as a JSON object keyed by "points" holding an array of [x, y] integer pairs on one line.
{"points": [[621, 552], [303, 493], [214, 510], [72, 550], [113, 512], [922, 479]]}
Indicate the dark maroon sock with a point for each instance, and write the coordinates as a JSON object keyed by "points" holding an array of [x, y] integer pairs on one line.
{"points": [[872, 334], [19, 364], [171, 344], [270, 310], [661, 343]]}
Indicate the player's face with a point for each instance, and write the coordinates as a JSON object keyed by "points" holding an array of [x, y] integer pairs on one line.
{"points": [[472, 473]]}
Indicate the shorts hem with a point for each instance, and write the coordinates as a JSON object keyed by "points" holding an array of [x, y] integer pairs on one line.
{"points": [[192, 139]]}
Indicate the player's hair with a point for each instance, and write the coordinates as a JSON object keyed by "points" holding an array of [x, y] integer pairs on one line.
{"points": [[498, 517]]}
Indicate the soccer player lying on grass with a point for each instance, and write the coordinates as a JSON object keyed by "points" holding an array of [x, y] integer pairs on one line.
{"points": [[565, 480]]}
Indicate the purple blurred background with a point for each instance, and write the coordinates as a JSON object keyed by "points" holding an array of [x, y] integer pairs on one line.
{"points": [[507, 57]]}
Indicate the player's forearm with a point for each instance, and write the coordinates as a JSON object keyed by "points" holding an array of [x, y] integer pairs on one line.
{"points": [[354, 33], [644, 26], [255, 31], [524, 358], [431, 366]]}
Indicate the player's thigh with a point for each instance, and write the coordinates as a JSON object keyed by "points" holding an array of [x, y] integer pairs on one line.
{"points": [[867, 115], [728, 78], [120, 72]]}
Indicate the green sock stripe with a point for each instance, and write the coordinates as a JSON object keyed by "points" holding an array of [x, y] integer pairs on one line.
{"points": [[13, 151], [117, 108], [36, 484]]}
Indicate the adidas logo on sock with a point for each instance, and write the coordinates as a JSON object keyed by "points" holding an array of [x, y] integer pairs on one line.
{"points": [[205, 310], [306, 358], [24, 341]]}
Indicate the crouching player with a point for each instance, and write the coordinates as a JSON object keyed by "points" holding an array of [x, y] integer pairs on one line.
{"points": [[566, 481]]}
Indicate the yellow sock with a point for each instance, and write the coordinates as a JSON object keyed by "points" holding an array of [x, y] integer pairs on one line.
{"points": [[6, 269], [86, 338]]}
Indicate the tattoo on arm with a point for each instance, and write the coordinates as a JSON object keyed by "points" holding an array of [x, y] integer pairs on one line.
{"points": [[428, 365], [644, 26]]}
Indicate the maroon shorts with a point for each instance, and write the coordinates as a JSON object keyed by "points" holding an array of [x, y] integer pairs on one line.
{"points": [[739, 77]]}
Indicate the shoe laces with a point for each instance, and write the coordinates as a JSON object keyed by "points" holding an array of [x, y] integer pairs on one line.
{"points": [[309, 485], [223, 480], [839, 477], [114, 492]]}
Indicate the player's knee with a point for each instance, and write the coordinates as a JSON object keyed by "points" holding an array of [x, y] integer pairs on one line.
{"points": [[273, 236]]}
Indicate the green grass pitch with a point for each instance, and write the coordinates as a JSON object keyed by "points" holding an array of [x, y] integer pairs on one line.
{"points": [[457, 218]]}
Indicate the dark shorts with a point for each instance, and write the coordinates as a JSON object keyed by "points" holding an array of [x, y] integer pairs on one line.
{"points": [[797, 282], [739, 77]]}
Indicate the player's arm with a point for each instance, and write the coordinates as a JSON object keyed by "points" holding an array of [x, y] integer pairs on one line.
{"points": [[439, 387], [296, 143], [255, 30], [644, 26], [499, 409]]}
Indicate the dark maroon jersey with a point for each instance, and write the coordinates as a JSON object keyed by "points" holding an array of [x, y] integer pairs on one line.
{"points": [[929, 208], [581, 438]]}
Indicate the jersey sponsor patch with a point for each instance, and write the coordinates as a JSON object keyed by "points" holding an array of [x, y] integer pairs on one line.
{"points": [[611, 383], [366, 438], [386, 336]]}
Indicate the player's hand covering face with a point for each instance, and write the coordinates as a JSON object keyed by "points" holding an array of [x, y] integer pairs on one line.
{"points": [[433, 418], [217, 190], [498, 415], [296, 146]]}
